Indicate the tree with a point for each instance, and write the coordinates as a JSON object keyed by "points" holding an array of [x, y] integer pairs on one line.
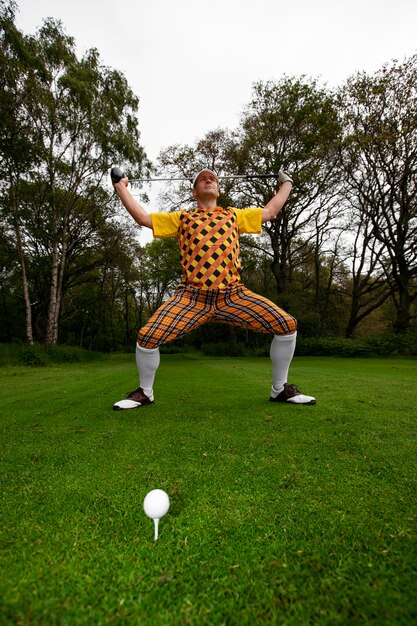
{"points": [[185, 161], [366, 287], [83, 117], [99, 282], [18, 145], [379, 158], [160, 271], [292, 124]]}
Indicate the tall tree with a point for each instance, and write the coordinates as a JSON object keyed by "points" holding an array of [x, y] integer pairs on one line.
{"points": [[291, 124], [83, 117], [18, 143], [379, 158]]}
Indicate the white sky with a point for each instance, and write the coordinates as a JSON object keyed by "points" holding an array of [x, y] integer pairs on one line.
{"points": [[193, 63]]}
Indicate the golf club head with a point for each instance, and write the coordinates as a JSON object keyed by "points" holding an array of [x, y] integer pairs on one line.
{"points": [[116, 174]]}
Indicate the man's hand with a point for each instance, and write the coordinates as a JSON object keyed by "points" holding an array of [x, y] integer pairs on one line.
{"points": [[122, 182], [116, 175], [120, 185], [284, 178]]}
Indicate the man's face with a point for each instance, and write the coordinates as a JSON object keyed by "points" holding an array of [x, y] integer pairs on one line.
{"points": [[206, 186]]}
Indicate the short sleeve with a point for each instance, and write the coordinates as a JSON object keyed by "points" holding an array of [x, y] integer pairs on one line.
{"points": [[165, 224], [249, 220]]}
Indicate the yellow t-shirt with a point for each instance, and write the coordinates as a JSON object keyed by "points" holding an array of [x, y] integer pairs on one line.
{"points": [[208, 242]]}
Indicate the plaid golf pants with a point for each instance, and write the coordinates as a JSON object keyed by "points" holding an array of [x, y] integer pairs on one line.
{"points": [[190, 307]]}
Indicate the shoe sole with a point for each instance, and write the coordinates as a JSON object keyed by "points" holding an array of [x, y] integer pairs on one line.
{"points": [[132, 408], [293, 403]]}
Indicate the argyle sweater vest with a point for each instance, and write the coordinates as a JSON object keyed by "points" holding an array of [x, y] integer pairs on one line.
{"points": [[209, 248]]}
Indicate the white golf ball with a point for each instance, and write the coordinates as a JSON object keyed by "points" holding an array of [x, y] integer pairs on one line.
{"points": [[156, 504]]}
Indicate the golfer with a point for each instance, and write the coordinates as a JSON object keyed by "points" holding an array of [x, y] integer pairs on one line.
{"points": [[211, 289]]}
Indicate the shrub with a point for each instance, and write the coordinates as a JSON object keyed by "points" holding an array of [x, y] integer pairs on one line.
{"points": [[31, 356], [402, 344], [329, 347], [384, 345], [39, 356]]}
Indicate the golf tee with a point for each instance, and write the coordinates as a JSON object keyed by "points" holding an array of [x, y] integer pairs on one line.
{"points": [[156, 522]]}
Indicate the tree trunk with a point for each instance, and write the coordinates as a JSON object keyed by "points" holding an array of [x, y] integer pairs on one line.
{"points": [[21, 254], [25, 289], [60, 291], [55, 298], [279, 266], [402, 321]]}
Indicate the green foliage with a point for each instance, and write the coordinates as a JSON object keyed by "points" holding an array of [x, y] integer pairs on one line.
{"points": [[342, 249], [64, 121], [378, 156], [393, 344], [160, 271], [230, 345], [385, 345], [39, 355], [344, 244], [279, 514], [317, 346], [289, 123]]}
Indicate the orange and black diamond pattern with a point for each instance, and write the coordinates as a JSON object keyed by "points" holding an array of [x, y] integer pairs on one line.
{"points": [[209, 248]]}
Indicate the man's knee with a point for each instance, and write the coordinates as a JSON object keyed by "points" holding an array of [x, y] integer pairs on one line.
{"points": [[286, 325], [147, 339]]}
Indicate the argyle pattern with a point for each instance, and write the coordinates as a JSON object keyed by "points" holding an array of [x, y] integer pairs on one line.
{"points": [[209, 248]]}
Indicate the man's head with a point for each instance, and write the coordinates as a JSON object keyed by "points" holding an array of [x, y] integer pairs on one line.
{"points": [[206, 184]]}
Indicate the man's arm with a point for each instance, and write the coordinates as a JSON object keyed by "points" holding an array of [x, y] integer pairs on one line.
{"points": [[274, 206], [135, 209]]}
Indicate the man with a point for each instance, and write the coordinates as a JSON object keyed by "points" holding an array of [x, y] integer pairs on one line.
{"points": [[208, 239]]}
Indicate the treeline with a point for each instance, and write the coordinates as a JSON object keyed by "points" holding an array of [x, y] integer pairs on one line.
{"points": [[341, 257]]}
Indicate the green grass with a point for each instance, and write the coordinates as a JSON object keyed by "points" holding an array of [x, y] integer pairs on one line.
{"points": [[279, 514]]}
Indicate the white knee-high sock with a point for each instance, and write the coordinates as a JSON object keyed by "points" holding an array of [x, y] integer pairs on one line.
{"points": [[282, 352], [147, 361]]}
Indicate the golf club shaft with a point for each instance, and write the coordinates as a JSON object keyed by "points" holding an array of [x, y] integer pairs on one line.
{"points": [[117, 174], [184, 179]]}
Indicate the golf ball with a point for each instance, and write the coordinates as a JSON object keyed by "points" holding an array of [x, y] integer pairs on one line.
{"points": [[156, 504]]}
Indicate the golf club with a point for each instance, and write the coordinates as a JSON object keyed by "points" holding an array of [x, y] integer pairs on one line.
{"points": [[117, 174]]}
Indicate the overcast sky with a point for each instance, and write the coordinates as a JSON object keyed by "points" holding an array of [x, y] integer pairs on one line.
{"points": [[192, 63]]}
